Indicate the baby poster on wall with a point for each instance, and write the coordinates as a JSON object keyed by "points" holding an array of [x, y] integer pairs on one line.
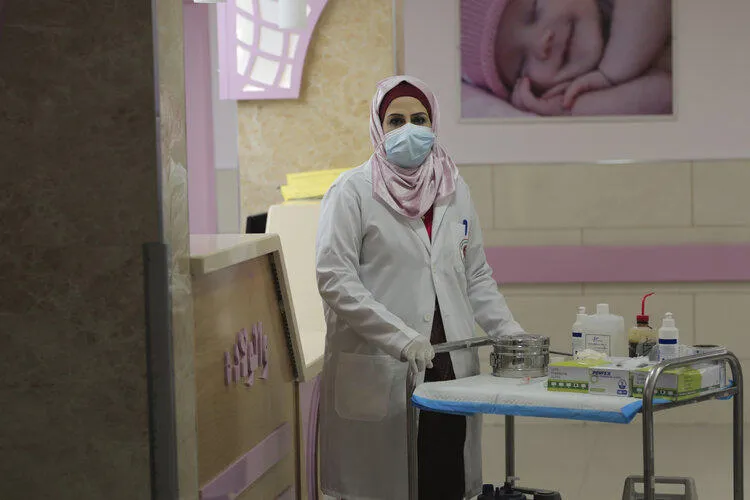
{"points": [[566, 58]]}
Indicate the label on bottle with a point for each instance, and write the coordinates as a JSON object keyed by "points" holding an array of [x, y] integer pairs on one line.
{"points": [[668, 349], [599, 342], [579, 344]]}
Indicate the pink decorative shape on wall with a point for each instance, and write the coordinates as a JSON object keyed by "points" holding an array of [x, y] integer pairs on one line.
{"points": [[239, 476], [199, 120], [242, 346], [252, 356], [227, 369], [257, 59], [246, 356], [236, 365], [288, 494]]}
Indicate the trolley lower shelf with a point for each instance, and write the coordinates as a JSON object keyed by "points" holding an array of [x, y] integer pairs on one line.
{"points": [[515, 397]]}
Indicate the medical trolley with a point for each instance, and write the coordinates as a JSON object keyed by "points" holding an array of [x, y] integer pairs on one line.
{"points": [[648, 407]]}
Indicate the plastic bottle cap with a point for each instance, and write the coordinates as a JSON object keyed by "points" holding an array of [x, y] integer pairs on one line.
{"points": [[668, 321], [602, 309], [642, 318], [581, 310]]}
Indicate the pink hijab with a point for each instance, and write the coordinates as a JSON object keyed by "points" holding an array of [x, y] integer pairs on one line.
{"points": [[410, 192]]}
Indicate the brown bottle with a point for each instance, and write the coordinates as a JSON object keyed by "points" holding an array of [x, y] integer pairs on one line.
{"points": [[642, 338]]}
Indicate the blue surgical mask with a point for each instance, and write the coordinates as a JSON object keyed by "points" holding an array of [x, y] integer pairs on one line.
{"points": [[408, 146]]}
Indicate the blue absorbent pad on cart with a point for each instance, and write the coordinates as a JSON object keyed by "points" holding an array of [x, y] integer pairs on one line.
{"points": [[508, 396]]}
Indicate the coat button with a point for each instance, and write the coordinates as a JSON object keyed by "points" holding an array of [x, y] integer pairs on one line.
{"points": [[428, 317]]}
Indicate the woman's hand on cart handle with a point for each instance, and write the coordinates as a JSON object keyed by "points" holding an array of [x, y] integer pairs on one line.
{"points": [[419, 354]]}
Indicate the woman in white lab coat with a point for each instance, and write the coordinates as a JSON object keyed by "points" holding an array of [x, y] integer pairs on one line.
{"points": [[400, 266]]}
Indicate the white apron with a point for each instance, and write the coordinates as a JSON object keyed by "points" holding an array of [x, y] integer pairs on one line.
{"points": [[379, 275]]}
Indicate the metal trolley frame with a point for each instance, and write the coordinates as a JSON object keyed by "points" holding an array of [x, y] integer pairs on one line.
{"points": [[648, 410]]}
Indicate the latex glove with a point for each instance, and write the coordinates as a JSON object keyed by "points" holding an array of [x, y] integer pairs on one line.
{"points": [[419, 353]]}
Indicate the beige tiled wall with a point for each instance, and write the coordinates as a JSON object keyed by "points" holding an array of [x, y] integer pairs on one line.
{"points": [[654, 204]]}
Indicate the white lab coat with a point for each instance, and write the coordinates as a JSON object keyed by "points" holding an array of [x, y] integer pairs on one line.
{"points": [[379, 274]]}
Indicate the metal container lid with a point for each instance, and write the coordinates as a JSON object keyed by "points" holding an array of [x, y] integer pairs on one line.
{"points": [[522, 340]]}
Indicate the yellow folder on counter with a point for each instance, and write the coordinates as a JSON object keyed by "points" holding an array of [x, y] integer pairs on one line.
{"points": [[309, 185]]}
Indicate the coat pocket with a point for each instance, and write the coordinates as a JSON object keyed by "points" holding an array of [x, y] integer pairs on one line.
{"points": [[363, 386]]}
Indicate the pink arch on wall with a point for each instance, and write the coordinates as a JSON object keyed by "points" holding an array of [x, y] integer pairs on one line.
{"points": [[233, 80]]}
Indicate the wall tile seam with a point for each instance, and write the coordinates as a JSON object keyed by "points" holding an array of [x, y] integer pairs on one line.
{"points": [[530, 229], [493, 215], [627, 290], [682, 164], [739, 225], [545, 294], [606, 228], [666, 163], [693, 292], [227, 166], [694, 300], [692, 194]]}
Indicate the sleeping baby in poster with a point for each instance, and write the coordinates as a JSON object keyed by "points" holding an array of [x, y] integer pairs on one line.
{"points": [[553, 58]]}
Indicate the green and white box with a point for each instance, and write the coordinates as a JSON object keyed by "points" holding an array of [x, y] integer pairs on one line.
{"points": [[680, 384], [613, 378], [603, 378], [570, 376]]}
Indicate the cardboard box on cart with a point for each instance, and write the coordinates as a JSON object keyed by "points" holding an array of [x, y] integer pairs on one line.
{"points": [[603, 378], [570, 376], [684, 383]]}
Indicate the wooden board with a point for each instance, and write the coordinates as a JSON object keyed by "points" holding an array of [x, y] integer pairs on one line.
{"points": [[232, 419]]}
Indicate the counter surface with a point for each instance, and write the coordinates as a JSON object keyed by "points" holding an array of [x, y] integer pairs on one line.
{"points": [[212, 252]]}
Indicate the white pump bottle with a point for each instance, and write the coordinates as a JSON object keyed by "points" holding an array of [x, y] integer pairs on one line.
{"points": [[669, 338]]}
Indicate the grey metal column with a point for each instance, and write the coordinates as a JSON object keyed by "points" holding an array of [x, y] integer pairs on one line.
{"points": [[510, 449], [411, 436], [738, 426], [160, 373]]}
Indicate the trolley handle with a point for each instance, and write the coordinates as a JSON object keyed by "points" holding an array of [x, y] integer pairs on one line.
{"points": [[476, 342], [462, 344]]}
